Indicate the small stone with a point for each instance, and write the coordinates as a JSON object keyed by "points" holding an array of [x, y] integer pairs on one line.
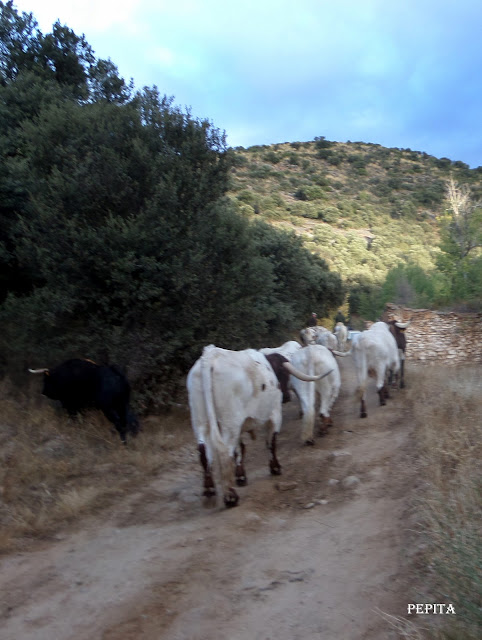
{"points": [[339, 454], [253, 518], [350, 482], [332, 482], [286, 486], [310, 505]]}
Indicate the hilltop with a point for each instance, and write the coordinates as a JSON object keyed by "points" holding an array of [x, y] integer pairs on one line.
{"points": [[363, 208]]}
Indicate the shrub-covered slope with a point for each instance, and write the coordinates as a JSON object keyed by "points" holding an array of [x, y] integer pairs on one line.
{"points": [[362, 207]]}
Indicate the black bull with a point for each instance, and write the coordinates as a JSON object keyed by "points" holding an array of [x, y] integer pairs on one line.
{"points": [[81, 384]]}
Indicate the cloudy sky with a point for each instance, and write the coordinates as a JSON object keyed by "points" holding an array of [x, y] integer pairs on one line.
{"points": [[400, 73]]}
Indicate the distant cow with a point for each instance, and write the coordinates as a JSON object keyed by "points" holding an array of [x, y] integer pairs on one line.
{"points": [[341, 333], [397, 329], [375, 354], [313, 360], [319, 335], [230, 393], [80, 384]]}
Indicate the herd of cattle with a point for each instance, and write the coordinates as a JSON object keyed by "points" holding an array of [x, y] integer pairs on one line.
{"points": [[233, 392]]}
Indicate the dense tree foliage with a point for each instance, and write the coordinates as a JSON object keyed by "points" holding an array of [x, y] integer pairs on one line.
{"points": [[117, 241]]}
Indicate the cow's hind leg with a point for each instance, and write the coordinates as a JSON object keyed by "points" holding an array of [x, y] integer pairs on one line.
{"points": [[382, 395], [274, 465], [326, 401], [381, 379], [363, 408], [240, 473], [208, 482], [227, 462], [326, 423]]}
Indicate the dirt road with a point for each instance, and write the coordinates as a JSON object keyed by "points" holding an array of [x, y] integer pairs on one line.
{"points": [[302, 557]]}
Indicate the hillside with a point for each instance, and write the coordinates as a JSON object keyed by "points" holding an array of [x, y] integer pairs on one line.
{"points": [[362, 207]]}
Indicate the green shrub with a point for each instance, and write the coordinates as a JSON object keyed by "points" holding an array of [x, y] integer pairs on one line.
{"points": [[260, 172], [247, 196], [329, 214], [272, 157], [309, 193]]}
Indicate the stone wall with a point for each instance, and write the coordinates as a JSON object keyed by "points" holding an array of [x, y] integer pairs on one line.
{"points": [[438, 336]]}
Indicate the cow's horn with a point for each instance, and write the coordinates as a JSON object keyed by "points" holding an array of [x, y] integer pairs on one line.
{"points": [[402, 325], [303, 376], [38, 370], [342, 354]]}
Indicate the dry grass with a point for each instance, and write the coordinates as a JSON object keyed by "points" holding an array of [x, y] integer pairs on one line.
{"points": [[54, 469], [447, 405], [404, 629]]}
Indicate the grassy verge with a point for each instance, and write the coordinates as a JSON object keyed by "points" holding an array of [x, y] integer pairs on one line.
{"points": [[54, 470], [447, 405]]}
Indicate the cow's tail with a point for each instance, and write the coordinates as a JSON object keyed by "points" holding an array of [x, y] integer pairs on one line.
{"points": [[222, 461]]}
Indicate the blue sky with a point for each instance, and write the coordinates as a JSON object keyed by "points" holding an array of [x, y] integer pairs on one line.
{"points": [[400, 73]]}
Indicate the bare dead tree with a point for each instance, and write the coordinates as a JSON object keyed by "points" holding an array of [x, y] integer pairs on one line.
{"points": [[466, 226]]}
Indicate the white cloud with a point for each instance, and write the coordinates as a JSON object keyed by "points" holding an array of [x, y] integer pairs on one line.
{"points": [[94, 15]]}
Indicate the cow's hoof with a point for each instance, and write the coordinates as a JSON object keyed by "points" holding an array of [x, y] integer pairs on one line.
{"points": [[363, 414], [275, 470], [241, 479], [231, 498], [309, 443]]}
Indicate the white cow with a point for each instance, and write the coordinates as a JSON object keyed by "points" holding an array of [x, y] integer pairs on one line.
{"points": [[375, 353], [341, 333], [231, 392], [319, 335], [328, 340], [313, 360]]}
